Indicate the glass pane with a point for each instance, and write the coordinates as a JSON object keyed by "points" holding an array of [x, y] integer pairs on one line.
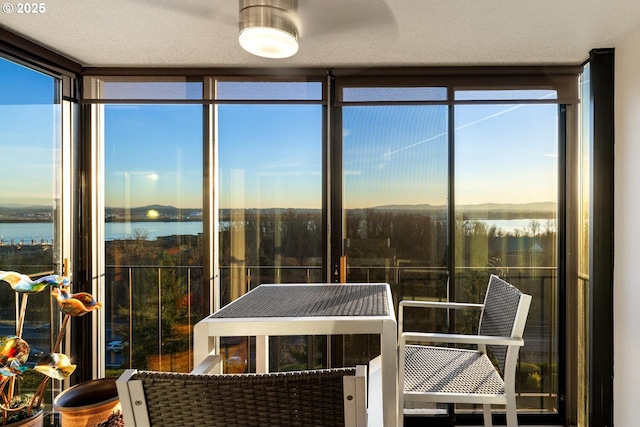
{"points": [[153, 235], [395, 201], [177, 88], [583, 248], [506, 187], [245, 91], [270, 190], [514, 95], [372, 94], [30, 186]]}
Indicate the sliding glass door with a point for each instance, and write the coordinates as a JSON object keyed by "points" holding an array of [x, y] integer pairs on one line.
{"points": [[152, 235], [506, 223], [395, 168], [269, 189], [443, 187]]}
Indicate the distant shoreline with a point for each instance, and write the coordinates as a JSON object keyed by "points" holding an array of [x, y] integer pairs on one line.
{"points": [[170, 214]]}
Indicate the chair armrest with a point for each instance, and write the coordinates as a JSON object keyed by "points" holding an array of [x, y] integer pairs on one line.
{"points": [[459, 339], [432, 304], [439, 304]]}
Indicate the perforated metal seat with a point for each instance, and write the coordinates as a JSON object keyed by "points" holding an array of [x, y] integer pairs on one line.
{"points": [[451, 375], [445, 370]]}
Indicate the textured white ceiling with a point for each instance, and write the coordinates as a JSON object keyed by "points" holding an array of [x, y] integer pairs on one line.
{"points": [[203, 33]]}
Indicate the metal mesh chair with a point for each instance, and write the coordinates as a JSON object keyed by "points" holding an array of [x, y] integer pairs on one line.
{"points": [[325, 397], [451, 375]]}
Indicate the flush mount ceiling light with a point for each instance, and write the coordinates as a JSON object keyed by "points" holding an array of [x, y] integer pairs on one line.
{"points": [[268, 27]]}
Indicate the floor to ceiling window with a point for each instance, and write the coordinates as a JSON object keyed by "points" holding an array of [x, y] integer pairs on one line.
{"points": [[395, 169], [152, 230], [270, 203], [153, 140], [30, 202], [443, 187], [438, 187], [506, 222]]}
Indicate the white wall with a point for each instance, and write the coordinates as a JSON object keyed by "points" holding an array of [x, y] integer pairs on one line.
{"points": [[627, 233]]}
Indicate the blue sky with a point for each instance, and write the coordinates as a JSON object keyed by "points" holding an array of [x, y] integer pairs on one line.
{"points": [[153, 155], [276, 152], [395, 155], [506, 153], [270, 155], [398, 155], [23, 86], [28, 130]]}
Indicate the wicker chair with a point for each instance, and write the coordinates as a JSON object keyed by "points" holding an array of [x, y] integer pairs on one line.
{"points": [[451, 375], [325, 397]]}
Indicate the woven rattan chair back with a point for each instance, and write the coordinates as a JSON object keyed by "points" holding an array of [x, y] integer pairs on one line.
{"points": [[301, 398], [498, 317]]}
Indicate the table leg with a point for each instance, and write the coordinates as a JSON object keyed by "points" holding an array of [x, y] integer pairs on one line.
{"points": [[389, 352], [203, 344], [262, 354]]}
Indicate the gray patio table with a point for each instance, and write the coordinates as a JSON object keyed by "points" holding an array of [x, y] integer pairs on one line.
{"points": [[309, 309]]}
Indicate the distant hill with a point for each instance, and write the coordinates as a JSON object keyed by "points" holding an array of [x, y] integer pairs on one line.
{"points": [[171, 213], [484, 210], [513, 207], [161, 213], [21, 213]]}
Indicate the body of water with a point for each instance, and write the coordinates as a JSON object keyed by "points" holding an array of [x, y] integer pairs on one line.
{"points": [[153, 230], [36, 233], [524, 225], [39, 232], [25, 232]]}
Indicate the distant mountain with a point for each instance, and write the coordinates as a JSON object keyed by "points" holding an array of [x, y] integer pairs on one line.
{"points": [[483, 211], [511, 207], [160, 213], [21, 213], [23, 206], [9, 213], [486, 207]]}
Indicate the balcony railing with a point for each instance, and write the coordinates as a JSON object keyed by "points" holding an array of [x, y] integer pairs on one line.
{"points": [[153, 309]]}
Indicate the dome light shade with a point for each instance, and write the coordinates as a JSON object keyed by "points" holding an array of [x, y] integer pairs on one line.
{"points": [[268, 28], [268, 42]]}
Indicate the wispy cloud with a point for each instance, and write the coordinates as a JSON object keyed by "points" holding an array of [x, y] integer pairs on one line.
{"points": [[480, 120]]}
